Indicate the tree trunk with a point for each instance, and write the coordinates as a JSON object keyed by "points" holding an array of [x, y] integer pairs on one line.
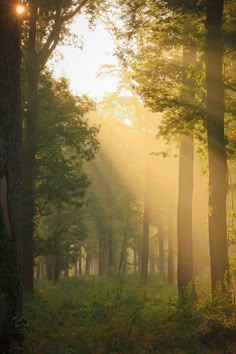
{"points": [[122, 264], [80, 265], [186, 156], [184, 216], [76, 268], [135, 255], [161, 253], [10, 180], [49, 268], [170, 253], [30, 139], [145, 240], [216, 144], [152, 264], [88, 263], [57, 269], [102, 249], [110, 253]]}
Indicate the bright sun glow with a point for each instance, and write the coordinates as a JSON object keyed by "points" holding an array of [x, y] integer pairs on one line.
{"points": [[20, 9], [82, 66]]}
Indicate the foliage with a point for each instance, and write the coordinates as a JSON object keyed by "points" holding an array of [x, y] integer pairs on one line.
{"points": [[65, 141], [94, 316]]}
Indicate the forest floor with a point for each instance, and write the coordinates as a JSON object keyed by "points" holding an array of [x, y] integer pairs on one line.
{"points": [[112, 316]]}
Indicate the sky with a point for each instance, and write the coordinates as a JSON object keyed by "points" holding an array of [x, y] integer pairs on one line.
{"points": [[82, 66]]}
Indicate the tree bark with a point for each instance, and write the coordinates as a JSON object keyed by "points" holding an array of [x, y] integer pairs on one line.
{"points": [[216, 144], [186, 156], [10, 180]]}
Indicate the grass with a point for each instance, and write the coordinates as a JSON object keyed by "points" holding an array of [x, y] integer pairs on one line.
{"points": [[107, 316]]}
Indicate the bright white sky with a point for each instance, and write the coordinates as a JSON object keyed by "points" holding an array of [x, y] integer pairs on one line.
{"points": [[82, 66]]}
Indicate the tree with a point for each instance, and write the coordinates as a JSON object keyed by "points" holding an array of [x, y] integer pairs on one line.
{"points": [[166, 84], [66, 141], [48, 23], [10, 180], [186, 163], [218, 183]]}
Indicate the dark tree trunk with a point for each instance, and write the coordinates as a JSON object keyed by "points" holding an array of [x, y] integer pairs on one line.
{"points": [[10, 180], [216, 144], [28, 182], [186, 156], [161, 253], [145, 240], [170, 253]]}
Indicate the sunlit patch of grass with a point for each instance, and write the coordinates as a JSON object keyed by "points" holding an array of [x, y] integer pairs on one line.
{"points": [[83, 316]]}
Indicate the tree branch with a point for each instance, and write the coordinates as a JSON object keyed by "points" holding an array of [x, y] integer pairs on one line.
{"points": [[70, 15], [54, 36]]}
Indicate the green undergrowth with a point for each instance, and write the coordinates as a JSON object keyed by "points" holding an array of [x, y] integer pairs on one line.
{"points": [[99, 316]]}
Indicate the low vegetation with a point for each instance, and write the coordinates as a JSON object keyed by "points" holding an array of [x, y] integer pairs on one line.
{"points": [[89, 315]]}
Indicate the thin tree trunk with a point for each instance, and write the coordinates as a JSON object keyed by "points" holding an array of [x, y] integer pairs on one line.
{"points": [[57, 269], [102, 249], [145, 240], [88, 263], [216, 144], [110, 252], [124, 244], [161, 253], [76, 268], [49, 268], [135, 256], [80, 265], [186, 156], [170, 253], [10, 180], [66, 271], [152, 264]]}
